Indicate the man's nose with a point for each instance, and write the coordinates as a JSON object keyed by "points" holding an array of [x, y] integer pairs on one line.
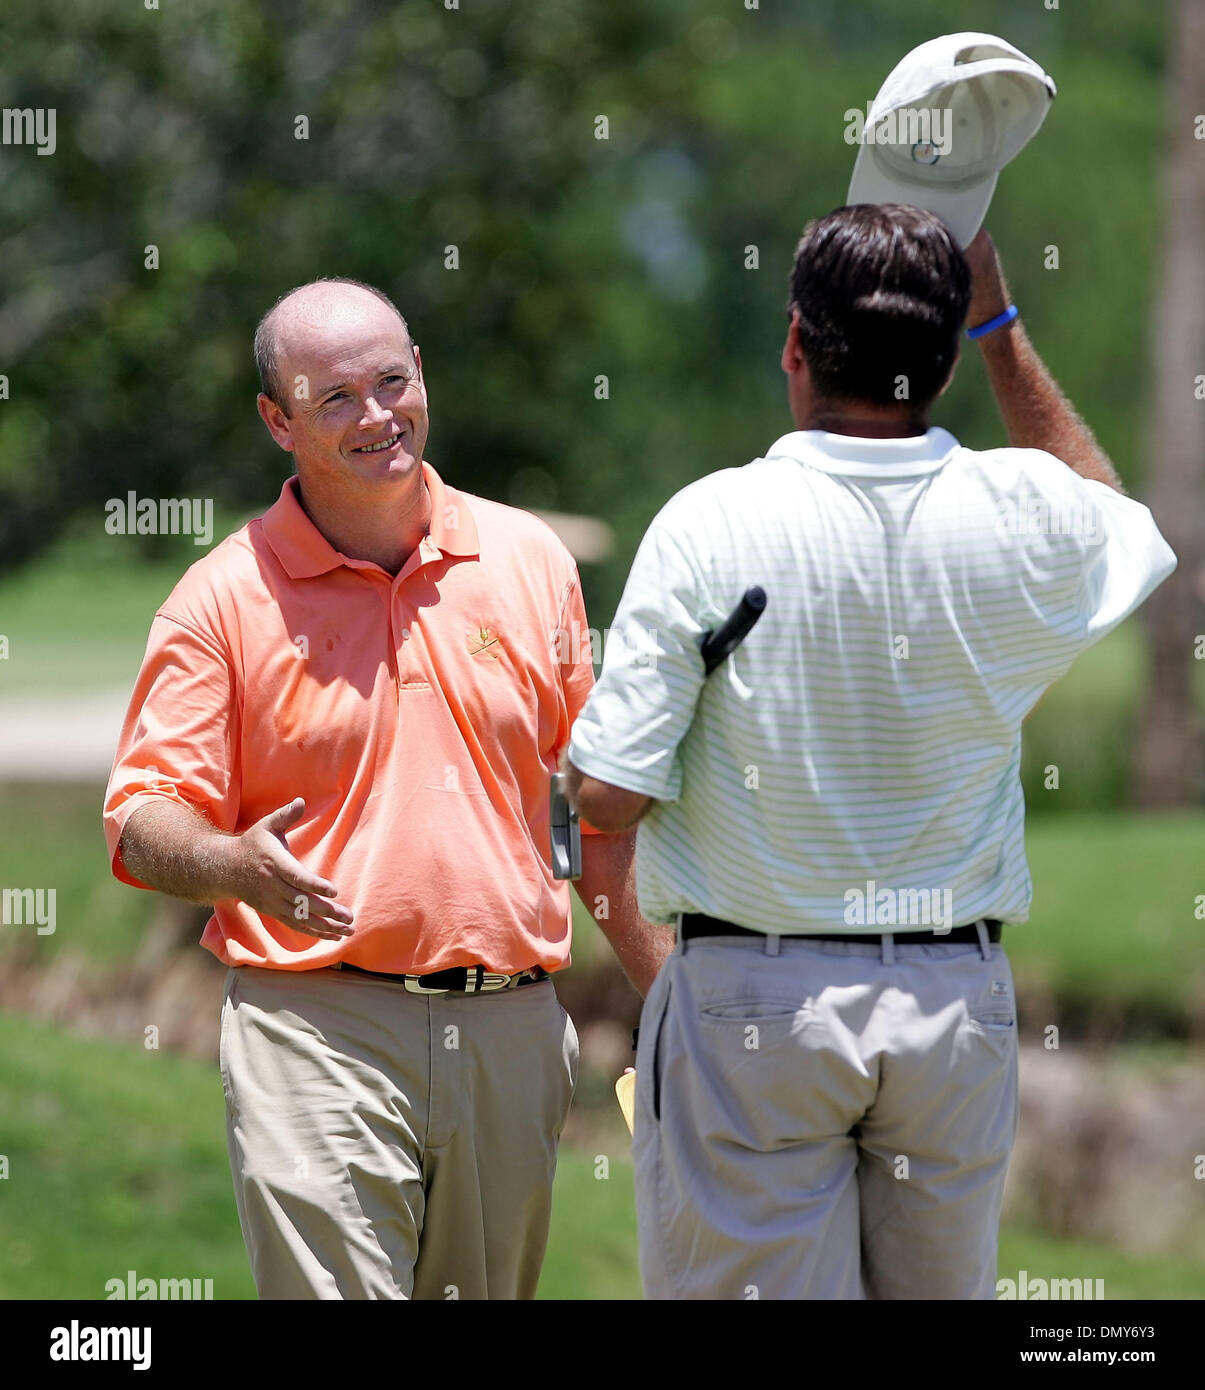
{"points": [[373, 413]]}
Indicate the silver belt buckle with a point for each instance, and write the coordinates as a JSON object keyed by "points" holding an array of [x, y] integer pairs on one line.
{"points": [[414, 985], [491, 981], [477, 981]]}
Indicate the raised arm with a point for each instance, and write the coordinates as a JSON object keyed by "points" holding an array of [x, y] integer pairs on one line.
{"points": [[1036, 414]]}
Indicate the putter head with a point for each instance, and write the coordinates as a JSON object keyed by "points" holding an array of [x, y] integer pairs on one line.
{"points": [[565, 830]]}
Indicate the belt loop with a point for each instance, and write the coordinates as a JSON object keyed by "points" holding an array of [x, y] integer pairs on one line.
{"points": [[887, 942], [681, 940], [985, 944], [773, 943]]}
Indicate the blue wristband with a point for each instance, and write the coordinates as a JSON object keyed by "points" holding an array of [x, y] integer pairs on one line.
{"points": [[998, 322]]}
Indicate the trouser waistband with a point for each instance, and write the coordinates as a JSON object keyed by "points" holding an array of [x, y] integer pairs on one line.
{"points": [[472, 979], [983, 932]]}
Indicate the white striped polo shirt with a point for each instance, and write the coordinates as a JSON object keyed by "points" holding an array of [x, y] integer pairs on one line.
{"points": [[856, 763]]}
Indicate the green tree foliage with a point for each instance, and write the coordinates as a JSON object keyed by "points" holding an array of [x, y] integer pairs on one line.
{"points": [[579, 257]]}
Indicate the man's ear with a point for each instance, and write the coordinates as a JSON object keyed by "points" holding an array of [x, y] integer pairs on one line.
{"points": [[276, 420], [792, 350]]}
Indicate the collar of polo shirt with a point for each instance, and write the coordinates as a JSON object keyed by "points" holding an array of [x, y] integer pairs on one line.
{"points": [[855, 456], [305, 552]]}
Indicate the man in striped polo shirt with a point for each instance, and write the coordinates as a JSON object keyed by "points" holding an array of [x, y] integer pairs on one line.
{"points": [[826, 1098]]}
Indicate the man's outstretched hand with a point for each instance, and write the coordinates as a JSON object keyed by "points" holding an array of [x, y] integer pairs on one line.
{"points": [[265, 876]]}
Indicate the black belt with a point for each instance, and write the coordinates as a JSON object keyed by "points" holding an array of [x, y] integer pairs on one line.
{"points": [[471, 979], [699, 924]]}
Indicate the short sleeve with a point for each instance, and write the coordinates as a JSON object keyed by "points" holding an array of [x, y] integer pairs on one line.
{"points": [[574, 652], [575, 660], [629, 731], [179, 734], [1126, 559]]}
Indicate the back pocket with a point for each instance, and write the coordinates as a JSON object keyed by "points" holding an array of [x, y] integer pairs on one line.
{"points": [[995, 1007], [753, 1010]]}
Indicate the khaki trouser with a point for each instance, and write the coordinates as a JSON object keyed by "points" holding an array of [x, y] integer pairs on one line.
{"points": [[392, 1145], [824, 1120]]}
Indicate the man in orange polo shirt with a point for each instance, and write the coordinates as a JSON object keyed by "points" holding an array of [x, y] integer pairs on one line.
{"points": [[341, 737]]}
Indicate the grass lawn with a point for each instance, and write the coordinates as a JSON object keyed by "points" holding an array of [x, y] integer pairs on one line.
{"points": [[77, 616], [51, 837], [1112, 922], [117, 1161], [74, 631]]}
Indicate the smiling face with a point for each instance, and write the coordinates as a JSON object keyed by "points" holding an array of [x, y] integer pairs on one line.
{"points": [[357, 420]]}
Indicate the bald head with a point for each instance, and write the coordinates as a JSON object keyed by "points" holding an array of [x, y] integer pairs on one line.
{"points": [[332, 308]]}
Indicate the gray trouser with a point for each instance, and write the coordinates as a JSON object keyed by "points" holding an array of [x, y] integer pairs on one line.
{"points": [[824, 1120], [388, 1145]]}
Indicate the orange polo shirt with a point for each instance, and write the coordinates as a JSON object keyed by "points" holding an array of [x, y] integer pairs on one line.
{"points": [[419, 716]]}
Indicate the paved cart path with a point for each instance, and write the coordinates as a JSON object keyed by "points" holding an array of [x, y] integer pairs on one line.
{"points": [[61, 735]]}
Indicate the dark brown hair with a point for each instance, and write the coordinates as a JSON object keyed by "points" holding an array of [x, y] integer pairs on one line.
{"points": [[882, 291]]}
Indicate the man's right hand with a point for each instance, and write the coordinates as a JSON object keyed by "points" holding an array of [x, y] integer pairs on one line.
{"points": [[265, 876], [168, 845]]}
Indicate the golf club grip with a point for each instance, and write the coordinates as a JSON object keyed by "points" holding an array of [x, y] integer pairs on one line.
{"points": [[718, 646]]}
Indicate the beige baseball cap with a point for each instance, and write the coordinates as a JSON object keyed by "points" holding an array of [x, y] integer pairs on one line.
{"points": [[949, 117]]}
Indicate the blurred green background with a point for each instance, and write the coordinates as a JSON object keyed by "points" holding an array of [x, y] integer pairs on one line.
{"points": [[475, 129]]}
